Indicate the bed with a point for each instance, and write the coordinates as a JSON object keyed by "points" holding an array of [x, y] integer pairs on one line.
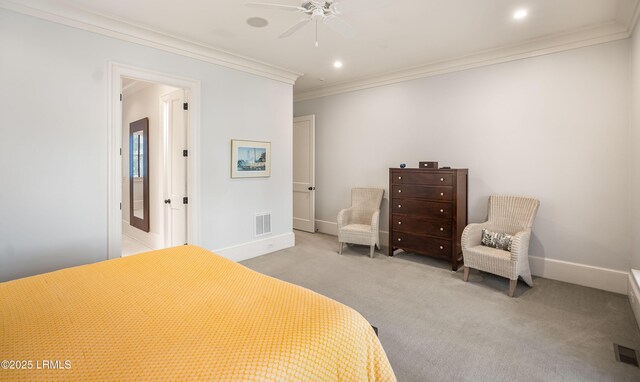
{"points": [[182, 313]]}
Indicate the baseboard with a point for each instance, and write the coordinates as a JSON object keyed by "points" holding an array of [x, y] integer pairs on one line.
{"points": [[331, 228], [634, 293], [149, 239], [586, 275], [258, 247]]}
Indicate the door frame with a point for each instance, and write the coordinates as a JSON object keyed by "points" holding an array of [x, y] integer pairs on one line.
{"points": [[114, 138]]}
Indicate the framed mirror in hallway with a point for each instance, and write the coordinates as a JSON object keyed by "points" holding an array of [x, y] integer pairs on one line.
{"points": [[139, 174]]}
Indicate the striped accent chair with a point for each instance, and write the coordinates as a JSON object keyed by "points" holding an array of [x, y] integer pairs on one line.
{"points": [[359, 224], [513, 215]]}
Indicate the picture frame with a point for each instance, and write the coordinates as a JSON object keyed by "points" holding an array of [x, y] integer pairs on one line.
{"points": [[250, 159]]}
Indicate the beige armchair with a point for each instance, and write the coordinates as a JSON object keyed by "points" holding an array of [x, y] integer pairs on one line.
{"points": [[359, 224], [507, 214]]}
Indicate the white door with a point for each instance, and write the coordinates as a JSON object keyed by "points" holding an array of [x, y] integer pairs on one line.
{"points": [[304, 173], [176, 156]]}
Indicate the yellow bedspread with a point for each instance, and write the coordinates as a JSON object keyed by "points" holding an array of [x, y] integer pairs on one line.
{"points": [[180, 314]]}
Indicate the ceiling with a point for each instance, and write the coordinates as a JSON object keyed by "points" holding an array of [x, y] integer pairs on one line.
{"points": [[395, 40]]}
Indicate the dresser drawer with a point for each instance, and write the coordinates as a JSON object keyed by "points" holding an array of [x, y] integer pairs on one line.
{"points": [[426, 192], [423, 177], [418, 243], [422, 226], [416, 207]]}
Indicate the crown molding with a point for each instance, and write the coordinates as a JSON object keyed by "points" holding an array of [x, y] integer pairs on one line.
{"points": [[628, 13], [64, 14], [618, 29]]}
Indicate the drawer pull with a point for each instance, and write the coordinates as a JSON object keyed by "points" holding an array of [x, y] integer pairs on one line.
{"points": [[399, 205], [399, 223], [399, 191], [441, 247], [442, 194], [399, 178], [442, 179], [399, 239], [441, 229], [441, 210]]}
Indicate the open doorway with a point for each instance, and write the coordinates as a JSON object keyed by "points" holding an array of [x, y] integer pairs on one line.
{"points": [[154, 166], [153, 173]]}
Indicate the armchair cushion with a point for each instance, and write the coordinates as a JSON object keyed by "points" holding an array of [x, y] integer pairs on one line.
{"points": [[359, 228], [496, 240]]}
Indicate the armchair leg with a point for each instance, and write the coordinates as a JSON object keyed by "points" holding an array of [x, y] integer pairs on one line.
{"points": [[340, 251], [371, 251], [512, 287], [466, 274]]}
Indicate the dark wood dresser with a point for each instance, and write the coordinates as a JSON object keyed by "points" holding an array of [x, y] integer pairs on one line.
{"points": [[428, 212]]}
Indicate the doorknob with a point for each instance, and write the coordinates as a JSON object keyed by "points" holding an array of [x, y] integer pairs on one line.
{"points": [[311, 188], [167, 201]]}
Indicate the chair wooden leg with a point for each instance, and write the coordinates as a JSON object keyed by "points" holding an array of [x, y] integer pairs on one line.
{"points": [[512, 287], [340, 251], [371, 251], [466, 274]]}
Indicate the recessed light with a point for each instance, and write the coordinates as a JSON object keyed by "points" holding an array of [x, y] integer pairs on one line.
{"points": [[257, 22], [520, 14], [337, 64]]}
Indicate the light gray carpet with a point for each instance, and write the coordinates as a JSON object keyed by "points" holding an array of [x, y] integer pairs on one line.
{"points": [[435, 327]]}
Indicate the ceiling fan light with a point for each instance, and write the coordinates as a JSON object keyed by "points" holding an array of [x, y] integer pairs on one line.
{"points": [[337, 64], [520, 14]]}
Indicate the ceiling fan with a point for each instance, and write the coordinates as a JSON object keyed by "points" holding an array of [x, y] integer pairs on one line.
{"points": [[314, 10]]}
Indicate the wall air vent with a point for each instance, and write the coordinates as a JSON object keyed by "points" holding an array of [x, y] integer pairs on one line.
{"points": [[263, 224], [626, 355]]}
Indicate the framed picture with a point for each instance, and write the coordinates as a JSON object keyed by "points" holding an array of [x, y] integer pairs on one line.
{"points": [[250, 159]]}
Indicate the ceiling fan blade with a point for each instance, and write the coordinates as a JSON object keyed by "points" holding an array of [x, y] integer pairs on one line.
{"points": [[294, 28], [340, 26], [281, 7]]}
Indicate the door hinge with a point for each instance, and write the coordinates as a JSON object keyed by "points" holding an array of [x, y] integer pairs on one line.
{"points": [[185, 106], [120, 151], [120, 96], [185, 153], [120, 206], [185, 200]]}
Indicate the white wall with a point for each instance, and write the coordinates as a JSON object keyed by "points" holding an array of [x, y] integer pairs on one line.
{"points": [[634, 143], [138, 105], [635, 150], [53, 144], [553, 127]]}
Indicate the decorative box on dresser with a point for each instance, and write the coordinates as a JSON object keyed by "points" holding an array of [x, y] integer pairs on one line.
{"points": [[428, 212]]}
